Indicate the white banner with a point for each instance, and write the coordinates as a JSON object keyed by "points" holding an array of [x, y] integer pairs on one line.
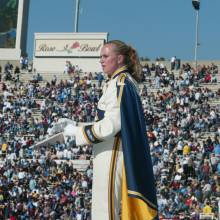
{"points": [[68, 47]]}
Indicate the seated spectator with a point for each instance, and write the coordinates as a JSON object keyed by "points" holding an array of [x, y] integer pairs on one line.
{"points": [[208, 77], [207, 209]]}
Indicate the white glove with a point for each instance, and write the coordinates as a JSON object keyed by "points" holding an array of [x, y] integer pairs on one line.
{"points": [[69, 132], [60, 125]]}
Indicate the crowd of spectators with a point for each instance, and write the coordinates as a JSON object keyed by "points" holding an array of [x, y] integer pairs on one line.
{"points": [[183, 128], [9, 72], [183, 131]]}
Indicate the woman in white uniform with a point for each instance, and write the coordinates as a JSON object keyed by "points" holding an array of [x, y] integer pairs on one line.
{"points": [[123, 184]]}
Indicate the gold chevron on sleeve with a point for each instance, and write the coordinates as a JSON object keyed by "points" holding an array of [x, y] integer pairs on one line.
{"points": [[121, 83]]}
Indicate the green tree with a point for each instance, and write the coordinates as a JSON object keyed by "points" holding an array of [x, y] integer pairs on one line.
{"points": [[12, 4], [144, 59], [8, 14], [160, 59]]}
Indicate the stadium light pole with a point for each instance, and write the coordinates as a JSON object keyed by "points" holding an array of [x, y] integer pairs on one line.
{"points": [[196, 5], [76, 16]]}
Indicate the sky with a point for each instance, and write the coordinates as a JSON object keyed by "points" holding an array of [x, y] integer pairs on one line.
{"points": [[155, 28]]}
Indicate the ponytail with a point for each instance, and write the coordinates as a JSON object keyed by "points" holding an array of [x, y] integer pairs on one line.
{"points": [[131, 59]]}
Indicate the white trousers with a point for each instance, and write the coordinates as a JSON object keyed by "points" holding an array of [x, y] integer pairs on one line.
{"points": [[107, 180]]}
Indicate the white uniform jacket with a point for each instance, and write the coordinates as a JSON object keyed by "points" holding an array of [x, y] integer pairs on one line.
{"points": [[117, 175], [107, 152]]}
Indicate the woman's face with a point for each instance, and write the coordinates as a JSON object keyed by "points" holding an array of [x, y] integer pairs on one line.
{"points": [[109, 59]]}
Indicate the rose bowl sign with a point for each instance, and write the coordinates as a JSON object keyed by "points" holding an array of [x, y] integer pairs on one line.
{"points": [[53, 50], [68, 47]]}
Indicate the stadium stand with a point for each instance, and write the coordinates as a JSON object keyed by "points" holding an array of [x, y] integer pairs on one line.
{"points": [[183, 127]]}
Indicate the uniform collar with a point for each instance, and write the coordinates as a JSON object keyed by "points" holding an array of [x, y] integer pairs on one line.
{"points": [[119, 71]]}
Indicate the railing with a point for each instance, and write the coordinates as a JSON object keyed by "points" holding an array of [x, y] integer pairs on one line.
{"points": [[206, 216], [202, 216]]}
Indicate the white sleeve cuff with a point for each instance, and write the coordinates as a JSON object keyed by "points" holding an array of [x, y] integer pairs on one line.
{"points": [[80, 138]]}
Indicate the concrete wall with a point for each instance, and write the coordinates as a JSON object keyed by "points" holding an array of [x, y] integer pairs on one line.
{"points": [[93, 64], [192, 63], [13, 62], [56, 65]]}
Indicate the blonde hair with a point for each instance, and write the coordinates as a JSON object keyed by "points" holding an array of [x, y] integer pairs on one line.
{"points": [[131, 59]]}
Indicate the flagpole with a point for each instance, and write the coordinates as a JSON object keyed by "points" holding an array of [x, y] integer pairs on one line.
{"points": [[197, 38], [196, 5], [76, 16]]}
